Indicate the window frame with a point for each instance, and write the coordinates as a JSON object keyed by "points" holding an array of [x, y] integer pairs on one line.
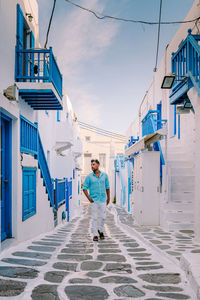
{"points": [[32, 210]]}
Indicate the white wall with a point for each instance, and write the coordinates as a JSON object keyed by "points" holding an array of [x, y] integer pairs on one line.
{"points": [[8, 13]]}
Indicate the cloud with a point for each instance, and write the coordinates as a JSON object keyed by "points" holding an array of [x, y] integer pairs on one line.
{"points": [[83, 36], [79, 38], [86, 105]]}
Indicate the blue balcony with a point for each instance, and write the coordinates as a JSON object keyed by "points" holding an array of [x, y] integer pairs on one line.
{"points": [[38, 78], [186, 67]]}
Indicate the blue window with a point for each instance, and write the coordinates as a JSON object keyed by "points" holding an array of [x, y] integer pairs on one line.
{"points": [[28, 193]]}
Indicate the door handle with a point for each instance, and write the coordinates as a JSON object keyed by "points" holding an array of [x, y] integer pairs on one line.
{"points": [[5, 182]]}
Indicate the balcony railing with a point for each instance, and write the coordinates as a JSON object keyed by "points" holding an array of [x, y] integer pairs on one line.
{"points": [[185, 65], [60, 192], [38, 65], [28, 136], [30, 142], [151, 123]]}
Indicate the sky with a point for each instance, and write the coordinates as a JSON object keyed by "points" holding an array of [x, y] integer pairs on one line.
{"points": [[107, 65]]}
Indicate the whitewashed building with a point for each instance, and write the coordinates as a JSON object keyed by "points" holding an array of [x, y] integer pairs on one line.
{"points": [[40, 144], [97, 145], [161, 167]]}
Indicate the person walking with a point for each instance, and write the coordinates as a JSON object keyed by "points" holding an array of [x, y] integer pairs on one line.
{"points": [[99, 196]]}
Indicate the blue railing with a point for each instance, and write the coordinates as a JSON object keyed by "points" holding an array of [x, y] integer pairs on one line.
{"points": [[185, 63], [70, 188], [119, 165], [60, 192], [151, 123], [38, 65], [28, 136], [45, 171]]}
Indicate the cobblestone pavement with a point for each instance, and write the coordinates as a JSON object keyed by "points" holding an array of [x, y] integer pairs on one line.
{"points": [[67, 264], [174, 242]]}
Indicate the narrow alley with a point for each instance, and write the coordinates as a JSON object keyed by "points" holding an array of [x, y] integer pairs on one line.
{"points": [[67, 264]]}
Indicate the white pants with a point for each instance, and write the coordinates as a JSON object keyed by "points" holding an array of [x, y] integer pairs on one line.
{"points": [[95, 207]]}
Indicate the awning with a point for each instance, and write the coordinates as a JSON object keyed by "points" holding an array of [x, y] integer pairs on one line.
{"points": [[145, 142]]}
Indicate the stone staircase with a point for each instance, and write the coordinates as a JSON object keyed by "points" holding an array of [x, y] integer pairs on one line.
{"points": [[177, 212]]}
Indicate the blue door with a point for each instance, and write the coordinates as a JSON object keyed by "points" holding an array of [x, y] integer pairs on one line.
{"points": [[67, 199], [5, 175]]}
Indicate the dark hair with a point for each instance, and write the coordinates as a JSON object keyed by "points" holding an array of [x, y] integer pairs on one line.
{"points": [[96, 161]]}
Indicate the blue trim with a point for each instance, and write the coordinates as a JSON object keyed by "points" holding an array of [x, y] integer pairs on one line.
{"points": [[58, 115], [41, 71], [7, 174], [179, 127], [185, 66], [28, 136], [67, 198], [60, 192], [28, 192], [41, 99], [174, 119], [129, 184], [159, 116]]}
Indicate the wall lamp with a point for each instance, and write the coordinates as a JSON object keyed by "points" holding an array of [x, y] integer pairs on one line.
{"points": [[30, 17], [168, 81]]}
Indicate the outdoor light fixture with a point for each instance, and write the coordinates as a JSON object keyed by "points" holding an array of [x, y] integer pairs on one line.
{"points": [[187, 104], [168, 81], [30, 17]]}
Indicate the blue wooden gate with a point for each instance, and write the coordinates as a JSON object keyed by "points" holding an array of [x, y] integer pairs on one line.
{"points": [[5, 175]]}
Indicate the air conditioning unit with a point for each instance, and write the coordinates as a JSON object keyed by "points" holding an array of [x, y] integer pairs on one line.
{"points": [[10, 93]]}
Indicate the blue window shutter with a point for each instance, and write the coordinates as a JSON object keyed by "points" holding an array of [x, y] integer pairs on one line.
{"points": [[29, 193], [20, 27], [19, 42]]}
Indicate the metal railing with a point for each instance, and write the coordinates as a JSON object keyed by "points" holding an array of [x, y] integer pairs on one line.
{"points": [[38, 65], [186, 62], [70, 188], [60, 192], [28, 136], [151, 123], [45, 171]]}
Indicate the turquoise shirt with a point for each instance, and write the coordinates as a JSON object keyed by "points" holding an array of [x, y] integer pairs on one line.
{"points": [[97, 186]]}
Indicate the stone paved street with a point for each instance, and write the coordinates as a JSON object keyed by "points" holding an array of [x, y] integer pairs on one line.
{"points": [[67, 264]]}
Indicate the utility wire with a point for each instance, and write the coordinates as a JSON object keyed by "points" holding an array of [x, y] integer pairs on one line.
{"points": [[158, 39], [102, 17], [47, 35], [100, 129], [104, 134], [103, 131]]}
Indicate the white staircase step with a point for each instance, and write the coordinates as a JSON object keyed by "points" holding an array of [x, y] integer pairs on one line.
{"points": [[180, 163], [170, 225], [178, 205], [177, 156], [183, 184], [180, 179], [182, 196], [182, 171], [178, 215]]}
